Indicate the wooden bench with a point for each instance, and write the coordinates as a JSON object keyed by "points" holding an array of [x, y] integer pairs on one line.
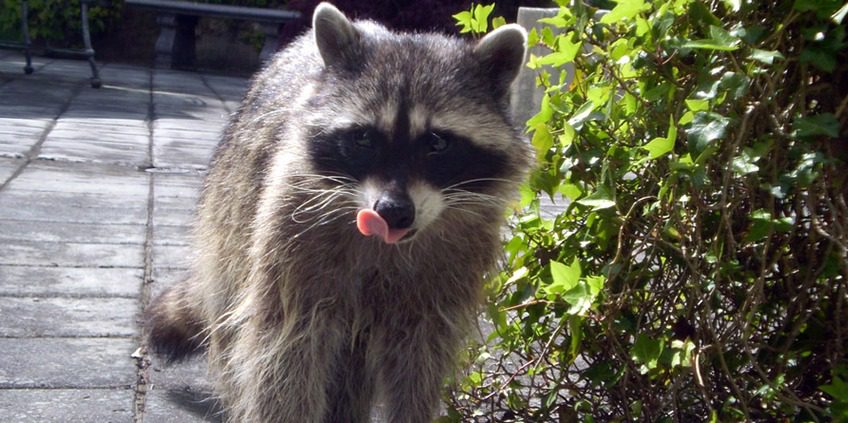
{"points": [[175, 46]]}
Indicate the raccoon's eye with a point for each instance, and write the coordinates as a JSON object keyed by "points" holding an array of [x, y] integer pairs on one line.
{"points": [[437, 143], [362, 138]]}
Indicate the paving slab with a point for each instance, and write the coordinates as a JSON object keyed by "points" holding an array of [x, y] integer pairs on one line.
{"points": [[53, 231], [13, 63], [8, 166], [82, 179], [68, 317], [126, 77], [79, 196], [66, 405], [186, 187], [19, 135], [67, 363], [78, 209], [61, 71], [172, 235], [172, 256], [130, 153], [70, 281], [71, 254]]}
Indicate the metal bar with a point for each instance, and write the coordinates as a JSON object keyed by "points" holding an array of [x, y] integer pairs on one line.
{"points": [[25, 30], [89, 51]]}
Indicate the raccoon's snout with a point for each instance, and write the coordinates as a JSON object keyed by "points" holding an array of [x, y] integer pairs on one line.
{"points": [[397, 210]]}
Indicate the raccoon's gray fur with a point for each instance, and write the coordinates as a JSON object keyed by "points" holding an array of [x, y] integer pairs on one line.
{"points": [[303, 317]]}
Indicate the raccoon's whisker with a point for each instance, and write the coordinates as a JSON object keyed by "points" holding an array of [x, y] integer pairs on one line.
{"points": [[332, 176], [471, 181], [460, 203], [456, 199], [465, 210], [460, 192], [317, 202], [318, 217], [326, 218]]}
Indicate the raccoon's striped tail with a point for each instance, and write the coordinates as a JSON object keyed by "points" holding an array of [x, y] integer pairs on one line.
{"points": [[172, 326]]}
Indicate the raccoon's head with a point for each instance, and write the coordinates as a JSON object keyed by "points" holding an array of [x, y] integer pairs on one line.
{"points": [[415, 124]]}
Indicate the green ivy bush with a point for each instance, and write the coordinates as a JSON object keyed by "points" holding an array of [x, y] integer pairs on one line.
{"points": [[697, 270]]}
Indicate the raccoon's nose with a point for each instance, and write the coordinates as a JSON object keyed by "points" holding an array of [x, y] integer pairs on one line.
{"points": [[397, 210]]}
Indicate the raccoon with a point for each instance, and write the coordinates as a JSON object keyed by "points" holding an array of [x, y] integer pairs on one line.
{"points": [[349, 216]]}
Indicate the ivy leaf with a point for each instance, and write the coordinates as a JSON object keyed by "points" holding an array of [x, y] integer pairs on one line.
{"points": [[598, 200], [571, 191], [659, 146], [701, 13], [563, 19], [582, 114], [646, 351], [542, 140], [624, 9], [575, 329], [580, 298], [819, 57], [464, 19], [823, 8], [682, 353], [765, 56], [839, 15], [837, 388], [662, 145], [564, 277], [720, 40], [705, 128], [743, 164], [546, 112], [810, 126], [481, 16], [733, 5], [735, 84], [595, 283], [697, 105], [762, 223]]}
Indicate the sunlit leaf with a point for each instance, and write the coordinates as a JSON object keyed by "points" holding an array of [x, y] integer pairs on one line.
{"points": [[624, 9], [764, 56]]}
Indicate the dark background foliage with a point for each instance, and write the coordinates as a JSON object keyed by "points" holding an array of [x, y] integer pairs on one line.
{"points": [[124, 34]]}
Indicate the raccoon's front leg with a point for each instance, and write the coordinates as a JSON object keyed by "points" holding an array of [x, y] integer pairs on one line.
{"points": [[413, 367], [352, 390], [282, 373]]}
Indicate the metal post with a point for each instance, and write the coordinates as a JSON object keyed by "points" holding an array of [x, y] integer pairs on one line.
{"points": [[25, 31], [89, 51]]}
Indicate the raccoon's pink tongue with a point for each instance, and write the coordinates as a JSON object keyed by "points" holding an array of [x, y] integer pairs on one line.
{"points": [[370, 223]]}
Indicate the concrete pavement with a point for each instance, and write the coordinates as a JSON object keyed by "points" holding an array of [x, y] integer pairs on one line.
{"points": [[97, 191]]}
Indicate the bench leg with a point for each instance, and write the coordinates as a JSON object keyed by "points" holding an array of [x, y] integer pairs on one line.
{"points": [[25, 31], [175, 45], [271, 43], [89, 51]]}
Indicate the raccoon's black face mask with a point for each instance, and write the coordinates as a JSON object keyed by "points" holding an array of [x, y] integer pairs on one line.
{"points": [[420, 118]]}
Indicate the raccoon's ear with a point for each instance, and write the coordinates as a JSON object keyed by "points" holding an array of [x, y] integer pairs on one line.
{"points": [[335, 36], [502, 52]]}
